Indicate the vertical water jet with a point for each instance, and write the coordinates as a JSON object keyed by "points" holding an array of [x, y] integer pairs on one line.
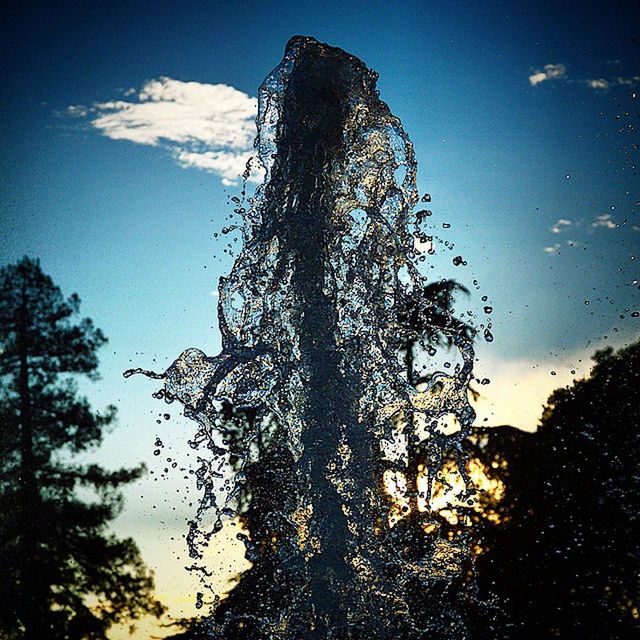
{"points": [[310, 406]]}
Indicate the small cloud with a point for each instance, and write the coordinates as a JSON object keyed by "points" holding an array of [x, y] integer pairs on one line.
{"points": [[604, 221], [552, 249], [558, 226], [598, 85], [559, 72], [627, 82], [549, 72], [537, 78], [77, 111], [204, 126]]}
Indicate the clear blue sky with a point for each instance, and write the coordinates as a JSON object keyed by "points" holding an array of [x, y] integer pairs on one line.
{"points": [[505, 150]]}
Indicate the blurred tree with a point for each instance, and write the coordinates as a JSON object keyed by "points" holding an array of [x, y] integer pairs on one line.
{"points": [[560, 551], [427, 318], [63, 574]]}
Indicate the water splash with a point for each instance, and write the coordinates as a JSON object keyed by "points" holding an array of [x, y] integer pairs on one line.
{"points": [[323, 423]]}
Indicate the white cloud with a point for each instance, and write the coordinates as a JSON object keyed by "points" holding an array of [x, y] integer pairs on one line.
{"points": [[559, 72], [227, 165], [549, 72], [560, 224], [605, 221], [552, 249], [537, 78], [205, 126], [599, 84]]}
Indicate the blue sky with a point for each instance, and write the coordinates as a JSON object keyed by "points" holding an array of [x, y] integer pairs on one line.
{"points": [[523, 121]]}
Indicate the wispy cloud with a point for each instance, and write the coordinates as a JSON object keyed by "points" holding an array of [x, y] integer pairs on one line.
{"points": [[604, 221], [560, 225], [552, 248], [548, 72], [598, 85], [627, 82], [205, 126], [77, 111], [558, 71]]}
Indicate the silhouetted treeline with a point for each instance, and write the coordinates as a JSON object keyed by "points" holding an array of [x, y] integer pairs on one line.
{"points": [[63, 575], [563, 559]]}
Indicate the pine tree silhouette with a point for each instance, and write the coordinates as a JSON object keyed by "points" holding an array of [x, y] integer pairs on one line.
{"points": [[64, 575]]}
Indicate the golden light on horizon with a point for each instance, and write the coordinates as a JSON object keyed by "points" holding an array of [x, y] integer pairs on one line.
{"points": [[176, 586], [448, 492]]}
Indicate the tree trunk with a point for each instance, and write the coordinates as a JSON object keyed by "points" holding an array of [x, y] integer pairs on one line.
{"points": [[33, 604]]}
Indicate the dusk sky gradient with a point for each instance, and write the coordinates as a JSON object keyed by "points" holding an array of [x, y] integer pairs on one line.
{"points": [[525, 126]]}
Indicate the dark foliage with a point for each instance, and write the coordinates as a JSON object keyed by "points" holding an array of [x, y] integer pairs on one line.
{"points": [[63, 575], [563, 560]]}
